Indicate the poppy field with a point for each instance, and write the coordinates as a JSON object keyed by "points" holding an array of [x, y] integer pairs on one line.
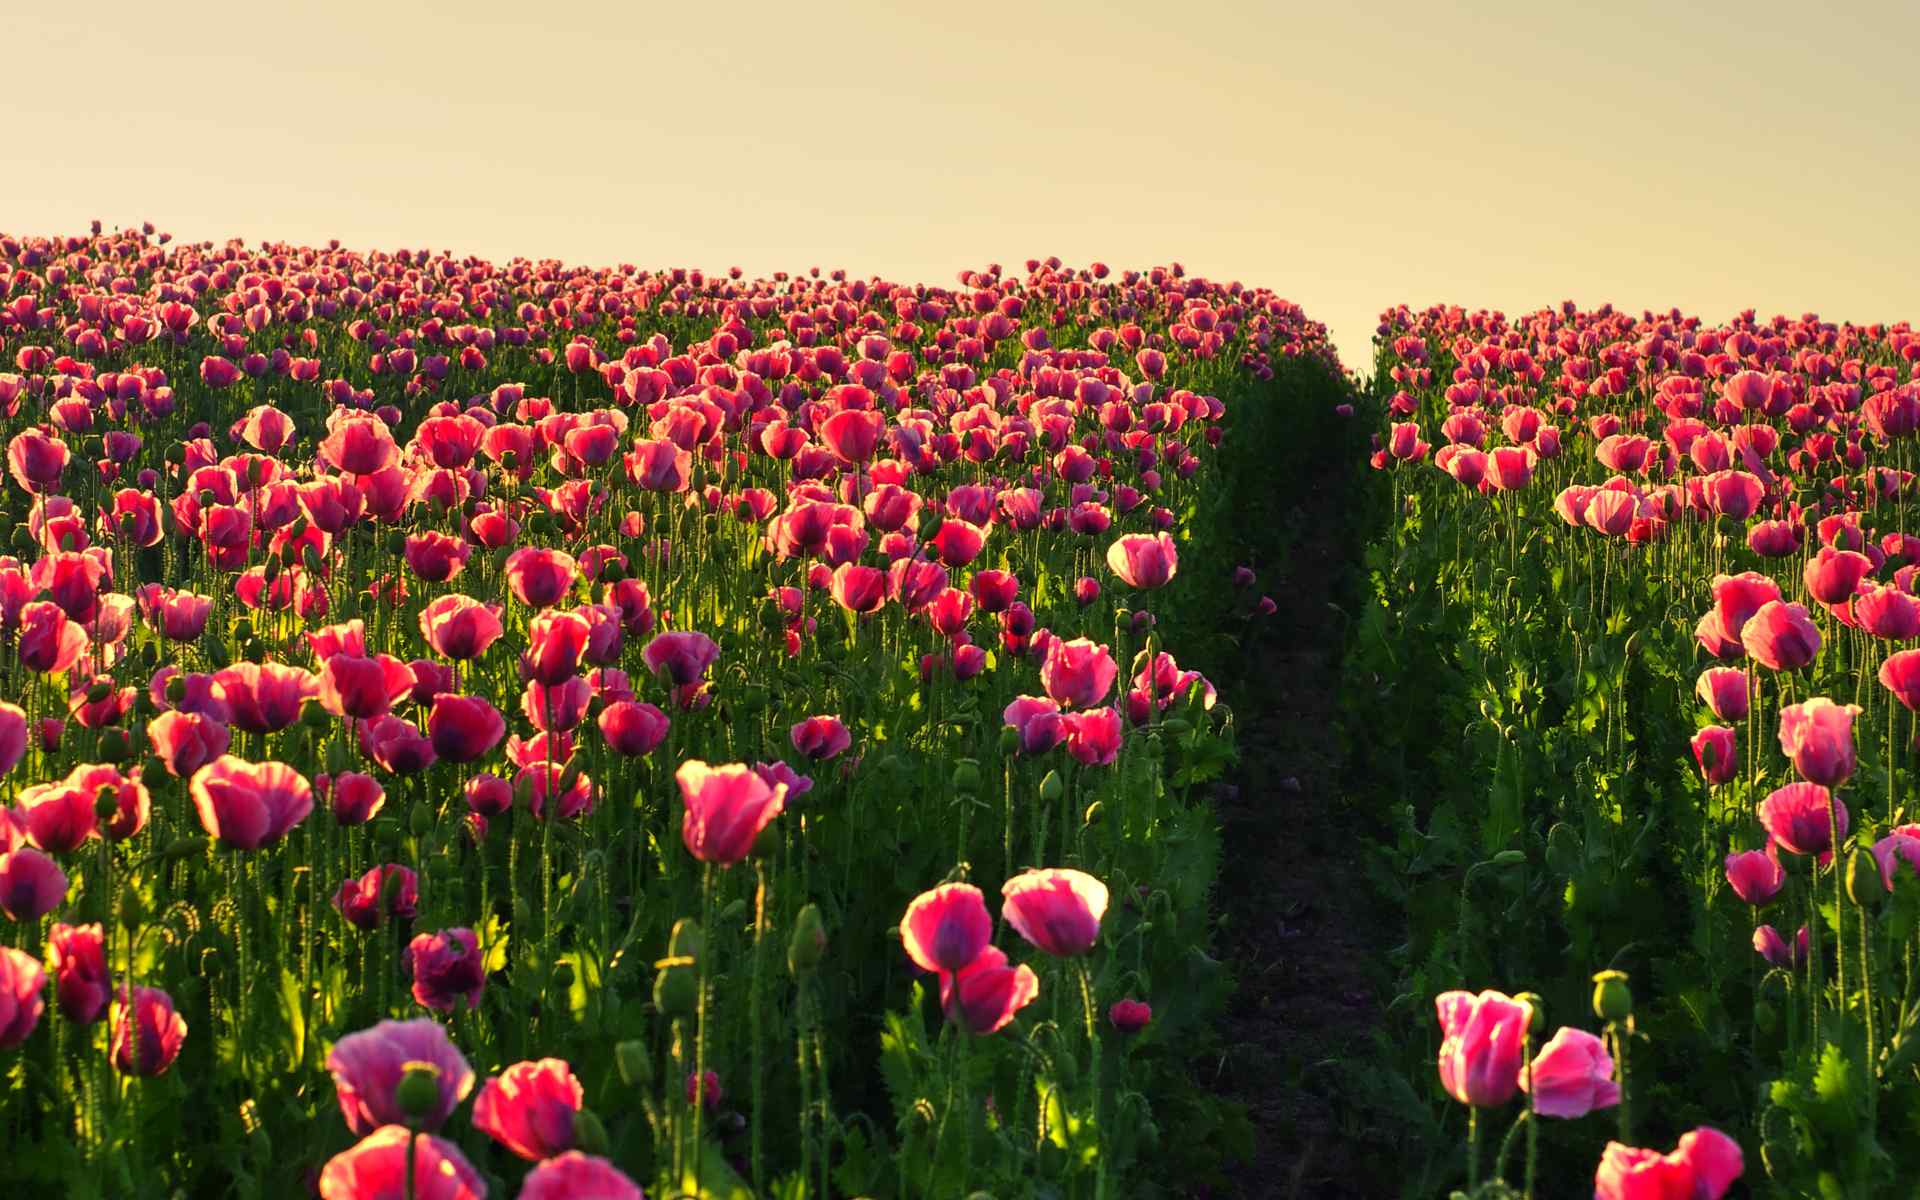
{"points": [[513, 729], [1653, 580]]}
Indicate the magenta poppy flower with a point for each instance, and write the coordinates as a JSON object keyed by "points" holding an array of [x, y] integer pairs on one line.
{"points": [[22, 980], [1797, 816], [147, 1039], [983, 996], [726, 808], [363, 688], [858, 589], [557, 707], [31, 884], [1900, 674], [540, 578], [1724, 690], [947, 928], [1902, 845], [1130, 1016], [57, 817], [853, 434], [358, 443], [1480, 1053], [376, 1169], [1714, 750], [1094, 736], [659, 466], [464, 728], [249, 805], [460, 627], [37, 461], [1510, 468], [1832, 576], [77, 956], [1571, 1076], [367, 1068], [820, 738], [1768, 944], [265, 697], [1818, 736], [543, 780], [386, 892], [1702, 1167], [530, 1107], [446, 966], [1058, 910], [13, 736], [577, 1176], [186, 741], [1144, 560], [396, 744], [1736, 598], [48, 642], [1078, 673], [1037, 722], [633, 728], [681, 658], [1780, 637], [436, 557], [1756, 876]]}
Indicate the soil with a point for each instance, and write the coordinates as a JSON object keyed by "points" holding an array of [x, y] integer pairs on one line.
{"points": [[1304, 935]]}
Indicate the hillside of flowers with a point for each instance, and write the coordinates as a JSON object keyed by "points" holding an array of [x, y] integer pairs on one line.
{"points": [[514, 729], [1652, 579]]}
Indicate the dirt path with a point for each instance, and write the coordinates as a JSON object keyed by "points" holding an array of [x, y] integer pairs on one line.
{"points": [[1304, 935]]}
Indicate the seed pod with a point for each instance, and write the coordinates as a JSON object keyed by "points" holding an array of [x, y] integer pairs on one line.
{"points": [[966, 777], [418, 1090], [1612, 998]]}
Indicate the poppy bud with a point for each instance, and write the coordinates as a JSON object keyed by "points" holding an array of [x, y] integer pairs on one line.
{"points": [[636, 1065], [809, 942], [133, 910], [420, 820], [1050, 787], [313, 714], [176, 689], [687, 939], [186, 847], [1095, 813], [396, 543], [1537, 1010], [588, 1133], [1865, 886], [418, 1091], [1612, 998], [111, 746], [612, 572], [1509, 858], [336, 757], [1009, 740]]}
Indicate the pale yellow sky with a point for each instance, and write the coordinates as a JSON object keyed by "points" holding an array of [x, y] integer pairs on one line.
{"points": [[1350, 155]]}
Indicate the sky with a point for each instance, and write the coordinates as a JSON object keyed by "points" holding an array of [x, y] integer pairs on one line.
{"points": [[1351, 156]]}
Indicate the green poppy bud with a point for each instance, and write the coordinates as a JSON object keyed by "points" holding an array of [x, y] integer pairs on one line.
{"points": [[636, 1065], [1051, 788], [809, 942], [589, 1134], [1537, 1012], [1865, 886]]}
